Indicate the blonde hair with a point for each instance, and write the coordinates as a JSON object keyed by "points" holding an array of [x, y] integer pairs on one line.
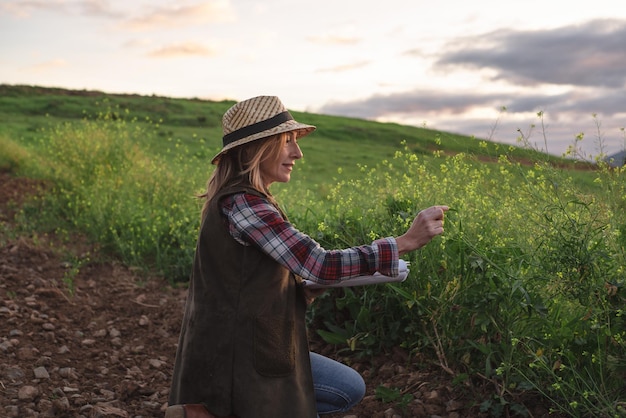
{"points": [[242, 165]]}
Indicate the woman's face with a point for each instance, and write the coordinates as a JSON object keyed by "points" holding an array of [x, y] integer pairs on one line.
{"points": [[279, 169]]}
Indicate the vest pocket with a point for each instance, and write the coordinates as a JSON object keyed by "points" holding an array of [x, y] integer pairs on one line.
{"points": [[274, 347]]}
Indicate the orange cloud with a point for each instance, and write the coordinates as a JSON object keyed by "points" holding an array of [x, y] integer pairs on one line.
{"points": [[48, 65], [182, 50], [176, 16], [335, 40], [345, 67]]}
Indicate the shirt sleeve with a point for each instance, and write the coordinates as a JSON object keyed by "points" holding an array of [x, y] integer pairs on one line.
{"points": [[255, 221]]}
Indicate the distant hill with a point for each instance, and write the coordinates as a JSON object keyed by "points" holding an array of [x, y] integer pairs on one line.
{"points": [[617, 160]]}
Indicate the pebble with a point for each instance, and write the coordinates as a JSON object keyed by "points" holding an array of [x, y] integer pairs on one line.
{"points": [[155, 363], [27, 393], [68, 372], [41, 373], [48, 326]]}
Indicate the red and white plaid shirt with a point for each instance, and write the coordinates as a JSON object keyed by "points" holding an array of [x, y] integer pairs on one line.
{"points": [[255, 221]]}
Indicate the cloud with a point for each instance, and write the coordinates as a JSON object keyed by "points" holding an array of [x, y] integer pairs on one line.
{"points": [[563, 115], [414, 102], [431, 101], [335, 39], [138, 43], [94, 8], [344, 67], [177, 16], [145, 18], [583, 66], [24, 9], [48, 65], [590, 54], [182, 50], [97, 8]]}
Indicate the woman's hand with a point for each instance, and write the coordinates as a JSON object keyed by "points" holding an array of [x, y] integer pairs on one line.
{"points": [[426, 225], [311, 294]]}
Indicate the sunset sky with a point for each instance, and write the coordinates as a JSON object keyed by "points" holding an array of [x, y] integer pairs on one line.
{"points": [[448, 65]]}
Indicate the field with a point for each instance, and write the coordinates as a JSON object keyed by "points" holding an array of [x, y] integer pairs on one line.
{"points": [[519, 304]]}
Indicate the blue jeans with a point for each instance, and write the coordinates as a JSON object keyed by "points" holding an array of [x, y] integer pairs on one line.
{"points": [[337, 386]]}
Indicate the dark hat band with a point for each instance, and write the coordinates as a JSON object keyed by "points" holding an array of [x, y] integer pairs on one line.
{"points": [[255, 128]]}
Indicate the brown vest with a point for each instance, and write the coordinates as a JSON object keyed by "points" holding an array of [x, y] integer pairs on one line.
{"points": [[243, 347]]}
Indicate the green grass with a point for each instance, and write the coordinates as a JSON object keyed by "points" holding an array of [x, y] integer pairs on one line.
{"points": [[195, 125], [524, 292]]}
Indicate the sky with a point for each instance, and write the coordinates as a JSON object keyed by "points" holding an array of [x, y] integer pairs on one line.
{"points": [[545, 71]]}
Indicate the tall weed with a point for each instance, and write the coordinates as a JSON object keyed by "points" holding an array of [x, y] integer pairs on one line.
{"points": [[530, 267], [136, 205]]}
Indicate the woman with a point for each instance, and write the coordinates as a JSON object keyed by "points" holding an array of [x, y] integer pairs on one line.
{"points": [[243, 347]]}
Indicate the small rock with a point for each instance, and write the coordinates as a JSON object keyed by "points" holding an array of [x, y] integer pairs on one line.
{"points": [[26, 353], [68, 372], [88, 342], [155, 363], [86, 409], [48, 326], [154, 405], [45, 405], [61, 404], [453, 405], [104, 410], [78, 400], [12, 411], [100, 333], [44, 361], [108, 394], [27, 393], [14, 374], [432, 396], [391, 413], [41, 373]]}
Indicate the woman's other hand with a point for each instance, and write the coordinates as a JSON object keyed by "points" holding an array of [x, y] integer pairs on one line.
{"points": [[311, 294]]}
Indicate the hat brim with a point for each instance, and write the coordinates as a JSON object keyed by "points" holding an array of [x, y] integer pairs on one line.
{"points": [[288, 126]]}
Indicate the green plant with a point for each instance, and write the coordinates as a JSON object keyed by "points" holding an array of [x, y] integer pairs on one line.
{"points": [[73, 267], [394, 395]]}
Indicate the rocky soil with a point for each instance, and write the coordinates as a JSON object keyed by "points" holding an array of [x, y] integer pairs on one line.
{"points": [[83, 337]]}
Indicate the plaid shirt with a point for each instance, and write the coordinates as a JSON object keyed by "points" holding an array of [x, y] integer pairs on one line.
{"points": [[254, 221]]}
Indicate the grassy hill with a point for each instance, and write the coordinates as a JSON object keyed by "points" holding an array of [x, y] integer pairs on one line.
{"points": [[338, 144]]}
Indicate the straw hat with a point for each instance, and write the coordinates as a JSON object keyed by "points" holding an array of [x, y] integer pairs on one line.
{"points": [[256, 118]]}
